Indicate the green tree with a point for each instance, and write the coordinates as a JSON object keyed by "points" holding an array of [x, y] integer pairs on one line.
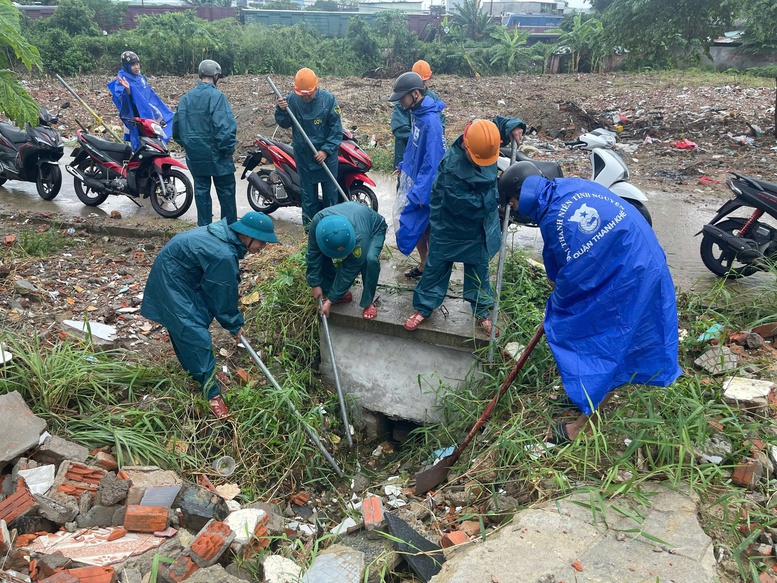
{"points": [[74, 17], [661, 32], [581, 38], [15, 102], [471, 17], [760, 26], [509, 47], [401, 44], [325, 6], [361, 40], [109, 14], [281, 5]]}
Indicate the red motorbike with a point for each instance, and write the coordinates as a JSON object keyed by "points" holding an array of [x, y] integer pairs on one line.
{"points": [[102, 167], [272, 188]]}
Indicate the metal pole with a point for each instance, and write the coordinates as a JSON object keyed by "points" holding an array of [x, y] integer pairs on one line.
{"points": [[89, 109], [309, 143], [309, 430], [500, 269], [340, 397]]}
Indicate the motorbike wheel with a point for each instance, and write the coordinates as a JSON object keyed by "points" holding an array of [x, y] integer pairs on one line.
{"points": [[258, 202], [85, 194], [642, 210], [364, 195], [49, 181], [177, 196], [723, 262]]}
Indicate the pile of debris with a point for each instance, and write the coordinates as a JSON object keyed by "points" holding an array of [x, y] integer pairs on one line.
{"points": [[68, 514]]}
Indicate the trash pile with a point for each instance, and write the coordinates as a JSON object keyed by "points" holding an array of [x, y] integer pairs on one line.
{"points": [[68, 514]]}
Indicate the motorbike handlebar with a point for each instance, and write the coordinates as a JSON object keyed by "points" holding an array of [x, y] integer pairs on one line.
{"points": [[574, 144]]}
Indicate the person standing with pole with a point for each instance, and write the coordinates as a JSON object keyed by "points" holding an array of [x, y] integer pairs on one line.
{"points": [[318, 117]]}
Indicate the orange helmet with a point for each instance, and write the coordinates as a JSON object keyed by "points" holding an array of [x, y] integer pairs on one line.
{"points": [[482, 139], [423, 69], [305, 82]]}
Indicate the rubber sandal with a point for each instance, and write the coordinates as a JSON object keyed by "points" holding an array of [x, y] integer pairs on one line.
{"points": [[370, 312], [414, 273], [346, 299], [562, 402], [219, 407], [487, 324], [414, 321], [559, 435]]}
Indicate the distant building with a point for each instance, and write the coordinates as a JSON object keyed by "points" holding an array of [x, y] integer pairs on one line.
{"points": [[379, 6], [494, 8]]}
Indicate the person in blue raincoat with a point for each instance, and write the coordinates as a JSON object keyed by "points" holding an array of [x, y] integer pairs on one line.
{"points": [[353, 233], [317, 112], [417, 168], [133, 97], [464, 224], [195, 279], [401, 123], [612, 316], [206, 128]]}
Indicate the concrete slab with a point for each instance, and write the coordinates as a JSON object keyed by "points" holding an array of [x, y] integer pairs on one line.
{"points": [[21, 429], [542, 543], [413, 364]]}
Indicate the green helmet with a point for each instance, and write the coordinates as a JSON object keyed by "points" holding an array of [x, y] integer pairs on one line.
{"points": [[335, 236]]}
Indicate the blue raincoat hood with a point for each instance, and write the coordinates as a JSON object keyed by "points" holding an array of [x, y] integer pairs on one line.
{"points": [[145, 101], [612, 316]]}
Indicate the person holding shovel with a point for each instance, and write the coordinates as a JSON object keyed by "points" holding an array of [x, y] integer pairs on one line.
{"points": [[195, 279], [417, 168], [134, 97], [612, 316], [318, 114], [354, 234]]}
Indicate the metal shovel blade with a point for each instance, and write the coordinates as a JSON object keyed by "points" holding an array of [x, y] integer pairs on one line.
{"points": [[428, 479]]}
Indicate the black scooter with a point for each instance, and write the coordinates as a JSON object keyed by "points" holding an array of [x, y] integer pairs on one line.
{"points": [[736, 246], [31, 155]]}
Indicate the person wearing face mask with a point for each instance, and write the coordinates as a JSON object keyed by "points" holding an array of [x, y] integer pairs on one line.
{"points": [[318, 114], [424, 151], [206, 128], [133, 97]]}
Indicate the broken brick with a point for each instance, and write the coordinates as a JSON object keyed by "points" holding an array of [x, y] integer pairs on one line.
{"points": [[577, 566], [260, 540], [145, 518], [94, 574], [372, 513], [243, 378], [454, 538], [210, 543], [106, 461], [746, 474], [17, 503], [300, 499], [183, 568], [116, 534], [61, 577]]}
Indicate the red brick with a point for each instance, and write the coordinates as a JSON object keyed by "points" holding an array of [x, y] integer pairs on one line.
{"points": [[456, 537], [94, 574], [243, 378], [106, 461], [17, 503], [372, 513], [145, 518], [766, 578], [746, 474], [61, 577], [183, 568], [210, 543], [577, 566]]}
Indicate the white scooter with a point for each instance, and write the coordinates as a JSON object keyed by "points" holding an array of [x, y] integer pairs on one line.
{"points": [[608, 168]]}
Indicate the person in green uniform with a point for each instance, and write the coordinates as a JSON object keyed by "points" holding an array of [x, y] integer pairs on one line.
{"points": [[195, 279], [401, 122], [510, 128], [464, 224], [317, 112], [206, 128], [354, 234]]}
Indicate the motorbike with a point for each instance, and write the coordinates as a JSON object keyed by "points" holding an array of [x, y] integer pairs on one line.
{"points": [[272, 188], [736, 247], [607, 167], [32, 155], [101, 168]]}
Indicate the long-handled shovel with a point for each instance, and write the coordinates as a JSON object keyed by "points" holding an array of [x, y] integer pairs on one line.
{"points": [[500, 269], [309, 143], [428, 479], [89, 109], [309, 430], [340, 397]]}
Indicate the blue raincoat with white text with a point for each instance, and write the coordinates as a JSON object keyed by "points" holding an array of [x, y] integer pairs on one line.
{"points": [[612, 317]]}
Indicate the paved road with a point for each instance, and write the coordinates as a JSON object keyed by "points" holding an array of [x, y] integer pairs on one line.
{"points": [[677, 216]]}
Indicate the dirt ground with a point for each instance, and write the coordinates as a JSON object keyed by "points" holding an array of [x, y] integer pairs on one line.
{"points": [[731, 119]]}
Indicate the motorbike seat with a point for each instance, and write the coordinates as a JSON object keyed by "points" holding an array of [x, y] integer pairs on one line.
{"points": [[115, 149], [770, 187], [12, 133], [286, 148]]}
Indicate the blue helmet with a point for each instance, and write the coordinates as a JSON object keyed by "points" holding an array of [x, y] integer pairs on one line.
{"points": [[335, 236]]}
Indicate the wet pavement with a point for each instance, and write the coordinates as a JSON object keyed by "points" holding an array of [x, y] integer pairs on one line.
{"points": [[677, 216]]}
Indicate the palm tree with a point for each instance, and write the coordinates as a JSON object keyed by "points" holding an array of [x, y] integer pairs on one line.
{"points": [[473, 19]]}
